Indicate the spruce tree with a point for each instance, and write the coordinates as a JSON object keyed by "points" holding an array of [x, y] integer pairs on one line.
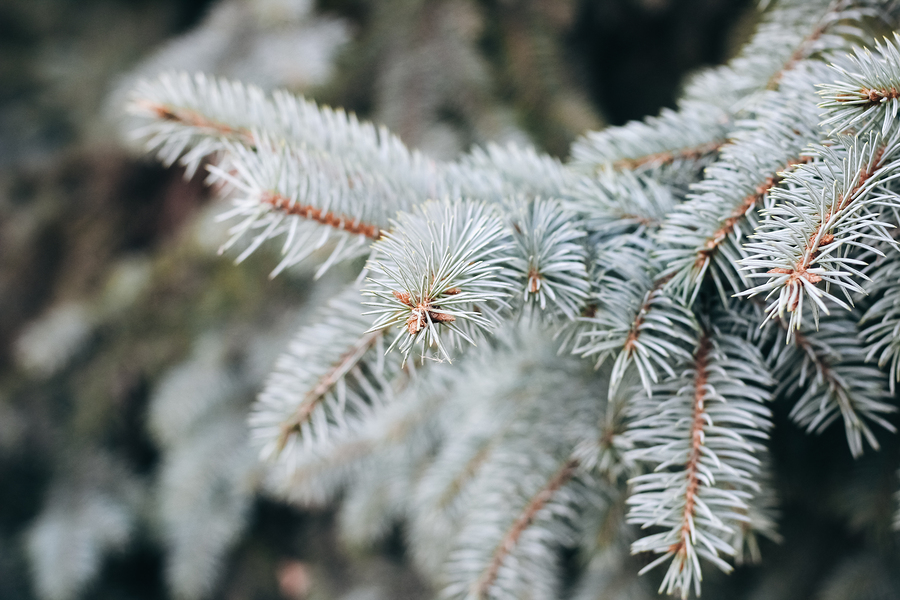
{"points": [[727, 257]]}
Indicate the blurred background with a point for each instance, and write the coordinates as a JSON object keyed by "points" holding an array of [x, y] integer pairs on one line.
{"points": [[130, 351]]}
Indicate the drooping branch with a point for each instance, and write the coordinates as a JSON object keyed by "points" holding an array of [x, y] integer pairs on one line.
{"points": [[328, 380], [634, 322], [699, 443], [841, 385], [635, 332], [692, 468], [821, 236], [522, 522]]}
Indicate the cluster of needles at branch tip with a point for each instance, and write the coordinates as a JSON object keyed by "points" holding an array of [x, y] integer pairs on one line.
{"points": [[878, 96], [424, 311]]}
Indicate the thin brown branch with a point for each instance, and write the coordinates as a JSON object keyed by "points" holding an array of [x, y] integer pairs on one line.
{"points": [[799, 54], [466, 474], [522, 522], [360, 448], [643, 221], [701, 363], [740, 211], [634, 333], [192, 118], [289, 207], [840, 392], [823, 366], [327, 381], [669, 156]]}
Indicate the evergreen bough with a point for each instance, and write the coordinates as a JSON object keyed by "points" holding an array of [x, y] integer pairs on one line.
{"points": [[732, 252]]}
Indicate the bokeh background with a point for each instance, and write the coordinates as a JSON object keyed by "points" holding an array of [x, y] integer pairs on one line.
{"points": [[130, 351]]}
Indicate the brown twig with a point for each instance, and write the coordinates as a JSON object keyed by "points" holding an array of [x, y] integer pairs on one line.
{"points": [[468, 471], [669, 156], [535, 280], [634, 333], [740, 211], [799, 54], [192, 118], [289, 207], [643, 221]]}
